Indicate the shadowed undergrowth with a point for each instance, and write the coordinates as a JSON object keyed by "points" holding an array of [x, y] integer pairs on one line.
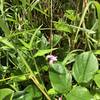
{"points": [[49, 50]]}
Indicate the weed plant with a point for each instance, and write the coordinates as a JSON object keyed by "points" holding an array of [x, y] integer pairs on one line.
{"points": [[49, 50]]}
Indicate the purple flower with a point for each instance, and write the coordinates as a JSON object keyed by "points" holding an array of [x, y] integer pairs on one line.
{"points": [[51, 58], [60, 98]]}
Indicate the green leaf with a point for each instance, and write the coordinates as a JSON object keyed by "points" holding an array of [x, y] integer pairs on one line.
{"points": [[2, 6], [4, 27], [32, 92], [97, 79], [33, 37], [70, 14], [97, 52], [24, 62], [97, 96], [29, 93], [24, 43], [69, 58], [24, 2], [5, 92], [98, 71], [42, 12], [6, 42], [43, 52], [60, 78], [52, 91], [84, 67], [61, 26], [19, 78], [56, 39], [43, 43], [98, 14], [33, 4], [79, 93]]}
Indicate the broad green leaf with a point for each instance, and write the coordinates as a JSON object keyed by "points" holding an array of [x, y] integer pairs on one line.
{"points": [[61, 26], [85, 67], [97, 79], [79, 93], [60, 78], [29, 93], [5, 92], [6, 42], [43, 52], [32, 92], [4, 27]]}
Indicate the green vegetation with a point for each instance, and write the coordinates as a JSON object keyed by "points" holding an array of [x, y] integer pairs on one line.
{"points": [[49, 50]]}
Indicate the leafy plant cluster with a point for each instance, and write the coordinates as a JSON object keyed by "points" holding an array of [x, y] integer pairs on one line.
{"points": [[30, 30]]}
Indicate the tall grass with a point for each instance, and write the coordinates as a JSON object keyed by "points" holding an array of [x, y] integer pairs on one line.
{"points": [[32, 29]]}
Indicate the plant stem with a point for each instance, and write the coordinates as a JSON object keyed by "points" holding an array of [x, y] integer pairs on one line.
{"points": [[51, 35], [33, 78]]}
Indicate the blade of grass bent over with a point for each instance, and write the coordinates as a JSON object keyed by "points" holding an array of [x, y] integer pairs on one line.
{"points": [[33, 36], [81, 21], [32, 76]]}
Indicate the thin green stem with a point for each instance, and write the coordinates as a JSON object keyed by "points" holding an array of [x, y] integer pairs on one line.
{"points": [[37, 70], [13, 77], [32, 76], [51, 34], [81, 21]]}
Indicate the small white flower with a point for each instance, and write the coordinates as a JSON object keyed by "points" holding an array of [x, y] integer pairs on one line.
{"points": [[60, 98], [51, 58]]}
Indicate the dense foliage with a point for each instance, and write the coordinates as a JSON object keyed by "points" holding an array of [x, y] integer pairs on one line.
{"points": [[49, 50]]}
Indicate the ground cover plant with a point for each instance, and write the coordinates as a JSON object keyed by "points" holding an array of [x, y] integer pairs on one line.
{"points": [[49, 50]]}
